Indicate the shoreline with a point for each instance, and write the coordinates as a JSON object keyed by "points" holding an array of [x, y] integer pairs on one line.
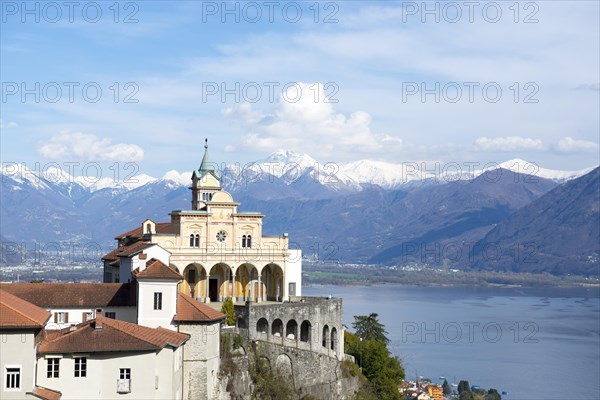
{"points": [[369, 275]]}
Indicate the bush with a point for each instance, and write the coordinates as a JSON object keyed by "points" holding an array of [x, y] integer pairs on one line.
{"points": [[238, 341], [350, 369], [229, 310]]}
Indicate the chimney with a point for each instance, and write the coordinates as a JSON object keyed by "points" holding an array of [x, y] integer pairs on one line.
{"points": [[98, 324], [143, 257]]}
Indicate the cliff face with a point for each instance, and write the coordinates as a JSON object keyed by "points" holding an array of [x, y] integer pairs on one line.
{"points": [[270, 370]]}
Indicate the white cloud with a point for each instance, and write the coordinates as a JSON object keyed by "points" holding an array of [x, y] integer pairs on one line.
{"points": [[509, 144], [89, 147], [570, 145], [304, 120], [9, 125]]}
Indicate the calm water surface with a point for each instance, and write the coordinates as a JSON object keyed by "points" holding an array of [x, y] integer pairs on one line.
{"points": [[532, 343]]}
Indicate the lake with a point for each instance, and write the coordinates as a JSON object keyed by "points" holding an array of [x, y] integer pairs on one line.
{"points": [[534, 343]]}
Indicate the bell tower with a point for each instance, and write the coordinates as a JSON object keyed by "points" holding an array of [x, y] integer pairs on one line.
{"points": [[205, 182]]}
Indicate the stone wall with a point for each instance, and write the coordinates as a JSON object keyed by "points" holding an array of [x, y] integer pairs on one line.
{"points": [[308, 372], [200, 360], [304, 323]]}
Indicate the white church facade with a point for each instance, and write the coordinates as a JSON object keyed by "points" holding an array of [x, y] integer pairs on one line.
{"points": [[219, 251]]}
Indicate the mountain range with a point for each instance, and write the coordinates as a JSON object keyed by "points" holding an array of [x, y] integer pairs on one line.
{"points": [[363, 211]]}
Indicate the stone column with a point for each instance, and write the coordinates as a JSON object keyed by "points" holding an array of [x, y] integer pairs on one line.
{"points": [[233, 296], [259, 295], [206, 295]]}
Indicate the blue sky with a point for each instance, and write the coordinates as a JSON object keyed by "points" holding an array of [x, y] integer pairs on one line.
{"points": [[388, 81]]}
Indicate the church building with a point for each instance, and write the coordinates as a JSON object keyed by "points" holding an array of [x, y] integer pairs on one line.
{"points": [[219, 251]]}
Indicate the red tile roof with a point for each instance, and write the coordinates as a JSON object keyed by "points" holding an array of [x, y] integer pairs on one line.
{"points": [[156, 269], [127, 251], [46, 394], [189, 310], [74, 295], [161, 228], [105, 334], [18, 313]]}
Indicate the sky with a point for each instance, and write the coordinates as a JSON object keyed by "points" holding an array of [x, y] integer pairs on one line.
{"points": [[143, 83]]}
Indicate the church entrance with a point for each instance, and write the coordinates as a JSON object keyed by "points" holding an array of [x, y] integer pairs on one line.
{"points": [[213, 289]]}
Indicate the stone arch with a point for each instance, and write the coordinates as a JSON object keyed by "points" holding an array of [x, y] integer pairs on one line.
{"points": [[241, 323], [219, 282], [305, 331], [283, 364], [334, 339], [277, 328], [272, 282], [193, 283], [254, 289], [291, 330], [244, 289], [262, 328], [325, 338]]}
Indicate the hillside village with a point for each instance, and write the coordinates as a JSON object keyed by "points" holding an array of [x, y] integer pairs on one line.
{"points": [[153, 328]]}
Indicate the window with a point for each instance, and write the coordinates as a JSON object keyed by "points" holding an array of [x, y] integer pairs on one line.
{"points": [[197, 241], [246, 241], [124, 373], [191, 240], [61, 317], [13, 378], [292, 290], [158, 300], [221, 236], [53, 367], [86, 316], [207, 196], [80, 367], [124, 382], [194, 240], [110, 314]]}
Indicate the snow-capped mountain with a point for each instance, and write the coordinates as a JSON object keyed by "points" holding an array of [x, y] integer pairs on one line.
{"points": [[331, 205], [297, 170]]}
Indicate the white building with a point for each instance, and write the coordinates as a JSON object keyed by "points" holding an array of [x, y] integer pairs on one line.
{"points": [[219, 251]]}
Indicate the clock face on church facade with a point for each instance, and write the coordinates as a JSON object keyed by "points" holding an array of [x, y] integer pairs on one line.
{"points": [[221, 236]]}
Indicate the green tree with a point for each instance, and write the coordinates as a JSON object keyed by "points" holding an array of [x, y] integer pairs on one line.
{"points": [[463, 386], [446, 387], [229, 310], [369, 328], [493, 394], [383, 371], [466, 395]]}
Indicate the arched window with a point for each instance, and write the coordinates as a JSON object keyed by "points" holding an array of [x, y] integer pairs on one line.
{"points": [[197, 241], [291, 330], [262, 326], [148, 227], [277, 328], [325, 335], [246, 241], [334, 339], [305, 331], [191, 240]]}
